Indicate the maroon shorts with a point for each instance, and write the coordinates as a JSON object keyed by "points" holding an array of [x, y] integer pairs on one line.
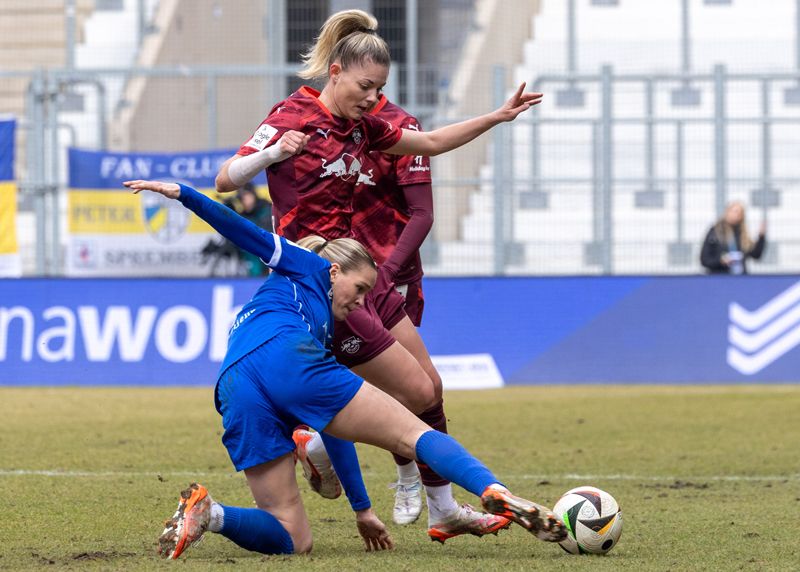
{"points": [[365, 332], [415, 301]]}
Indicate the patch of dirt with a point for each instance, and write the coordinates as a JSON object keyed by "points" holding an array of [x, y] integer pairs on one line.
{"points": [[678, 484]]}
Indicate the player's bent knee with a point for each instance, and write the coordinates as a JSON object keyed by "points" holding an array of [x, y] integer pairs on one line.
{"points": [[423, 399], [303, 545]]}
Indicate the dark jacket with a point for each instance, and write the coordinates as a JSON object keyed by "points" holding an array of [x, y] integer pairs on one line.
{"points": [[715, 246]]}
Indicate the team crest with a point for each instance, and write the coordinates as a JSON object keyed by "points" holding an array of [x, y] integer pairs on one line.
{"points": [[357, 137], [165, 220], [351, 345]]}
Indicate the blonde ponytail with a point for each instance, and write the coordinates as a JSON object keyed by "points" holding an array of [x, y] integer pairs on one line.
{"points": [[348, 37], [348, 253]]}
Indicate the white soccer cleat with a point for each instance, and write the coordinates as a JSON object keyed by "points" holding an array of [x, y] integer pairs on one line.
{"points": [[318, 472], [407, 501]]}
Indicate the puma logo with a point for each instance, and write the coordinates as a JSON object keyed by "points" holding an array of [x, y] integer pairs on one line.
{"points": [[323, 133]]}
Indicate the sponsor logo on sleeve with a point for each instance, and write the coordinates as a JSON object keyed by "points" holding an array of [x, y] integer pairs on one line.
{"points": [[418, 165], [262, 137]]}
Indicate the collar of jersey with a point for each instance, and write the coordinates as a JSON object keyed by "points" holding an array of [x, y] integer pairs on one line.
{"points": [[380, 105], [314, 94]]}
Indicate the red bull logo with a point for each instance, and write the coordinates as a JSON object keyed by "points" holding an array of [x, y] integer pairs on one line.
{"points": [[346, 167]]}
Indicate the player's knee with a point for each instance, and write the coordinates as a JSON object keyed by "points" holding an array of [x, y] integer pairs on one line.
{"points": [[436, 381], [303, 545], [423, 398]]}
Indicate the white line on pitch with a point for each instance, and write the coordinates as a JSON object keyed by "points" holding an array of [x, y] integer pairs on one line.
{"points": [[577, 477], [565, 477]]}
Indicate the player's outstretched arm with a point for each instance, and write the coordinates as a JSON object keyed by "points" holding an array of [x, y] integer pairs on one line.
{"points": [[430, 143], [241, 169]]}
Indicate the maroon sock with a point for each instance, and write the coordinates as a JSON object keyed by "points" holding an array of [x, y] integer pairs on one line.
{"points": [[436, 418], [400, 460]]}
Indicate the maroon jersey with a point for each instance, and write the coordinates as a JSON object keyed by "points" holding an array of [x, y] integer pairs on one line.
{"points": [[381, 212], [312, 192]]}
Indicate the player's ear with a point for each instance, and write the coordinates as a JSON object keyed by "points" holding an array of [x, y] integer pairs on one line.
{"points": [[335, 270], [334, 70]]}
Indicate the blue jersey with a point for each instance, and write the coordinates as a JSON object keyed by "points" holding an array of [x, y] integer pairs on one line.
{"points": [[293, 309], [294, 296]]}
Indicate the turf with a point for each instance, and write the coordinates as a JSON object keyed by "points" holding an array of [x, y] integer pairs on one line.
{"points": [[707, 478]]}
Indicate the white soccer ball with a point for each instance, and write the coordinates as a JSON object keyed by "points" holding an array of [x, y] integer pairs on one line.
{"points": [[592, 518]]}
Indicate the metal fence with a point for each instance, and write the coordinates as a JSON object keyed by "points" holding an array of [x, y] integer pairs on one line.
{"points": [[613, 174]]}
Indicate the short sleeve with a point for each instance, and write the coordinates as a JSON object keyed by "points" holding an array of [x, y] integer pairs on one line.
{"points": [[381, 133], [412, 169], [278, 122]]}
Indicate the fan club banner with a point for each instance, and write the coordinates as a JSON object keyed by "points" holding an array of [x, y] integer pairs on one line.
{"points": [[114, 233], [10, 265]]}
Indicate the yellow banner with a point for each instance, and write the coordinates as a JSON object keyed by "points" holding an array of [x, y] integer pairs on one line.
{"points": [[8, 218], [117, 212]]}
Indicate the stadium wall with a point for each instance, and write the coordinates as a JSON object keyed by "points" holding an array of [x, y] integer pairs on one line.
{"points": [[689, 329]]}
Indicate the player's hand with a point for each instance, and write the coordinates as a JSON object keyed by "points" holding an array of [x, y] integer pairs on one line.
{"points": [[292, 143], [725, 259], [373, 531], [169, 190], [519, 102]]}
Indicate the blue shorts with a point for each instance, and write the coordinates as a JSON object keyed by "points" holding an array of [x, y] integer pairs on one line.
{"points": [[287, 381]]}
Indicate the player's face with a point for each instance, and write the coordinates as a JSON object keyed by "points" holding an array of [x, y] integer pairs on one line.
{"points": [[350, 288], [356, 89]]}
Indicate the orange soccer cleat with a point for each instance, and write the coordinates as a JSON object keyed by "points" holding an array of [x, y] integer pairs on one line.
{"points": [[535, 518], [188, 524]]}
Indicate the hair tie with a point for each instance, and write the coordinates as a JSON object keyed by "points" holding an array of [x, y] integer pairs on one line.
{"points": [[367, 31]]}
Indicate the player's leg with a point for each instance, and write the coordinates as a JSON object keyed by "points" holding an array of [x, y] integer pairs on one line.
{"points": [[278, 526], [446, 518], [259, 443], [274, 488], [375, 418], [365, 345], [396, 372]]}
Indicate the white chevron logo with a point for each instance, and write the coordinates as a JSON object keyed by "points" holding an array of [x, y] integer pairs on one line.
{"points": [[762, 336]]}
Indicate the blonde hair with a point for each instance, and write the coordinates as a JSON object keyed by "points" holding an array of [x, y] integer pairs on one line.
{"points": [[347, 37], [349, 254], [725, 231]]}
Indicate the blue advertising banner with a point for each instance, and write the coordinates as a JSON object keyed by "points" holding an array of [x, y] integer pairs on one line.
{"points": [[687, 329], [703, 329]]}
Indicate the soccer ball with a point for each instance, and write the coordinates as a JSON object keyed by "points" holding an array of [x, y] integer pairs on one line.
{"points": [[592, 518]]}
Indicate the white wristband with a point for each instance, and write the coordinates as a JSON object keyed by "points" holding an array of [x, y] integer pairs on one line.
{"points": [[243, 169]]}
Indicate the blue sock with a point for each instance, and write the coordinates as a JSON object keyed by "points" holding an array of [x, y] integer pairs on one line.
{"points": [[256, 530], [451, 461]]}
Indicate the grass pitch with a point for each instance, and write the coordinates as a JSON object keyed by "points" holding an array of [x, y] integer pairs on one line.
{"points": [[707, 478]]}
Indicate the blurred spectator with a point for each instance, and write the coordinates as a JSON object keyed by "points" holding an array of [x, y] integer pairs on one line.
{"points": [[222, 256], [728, 244], [259, 212]]}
